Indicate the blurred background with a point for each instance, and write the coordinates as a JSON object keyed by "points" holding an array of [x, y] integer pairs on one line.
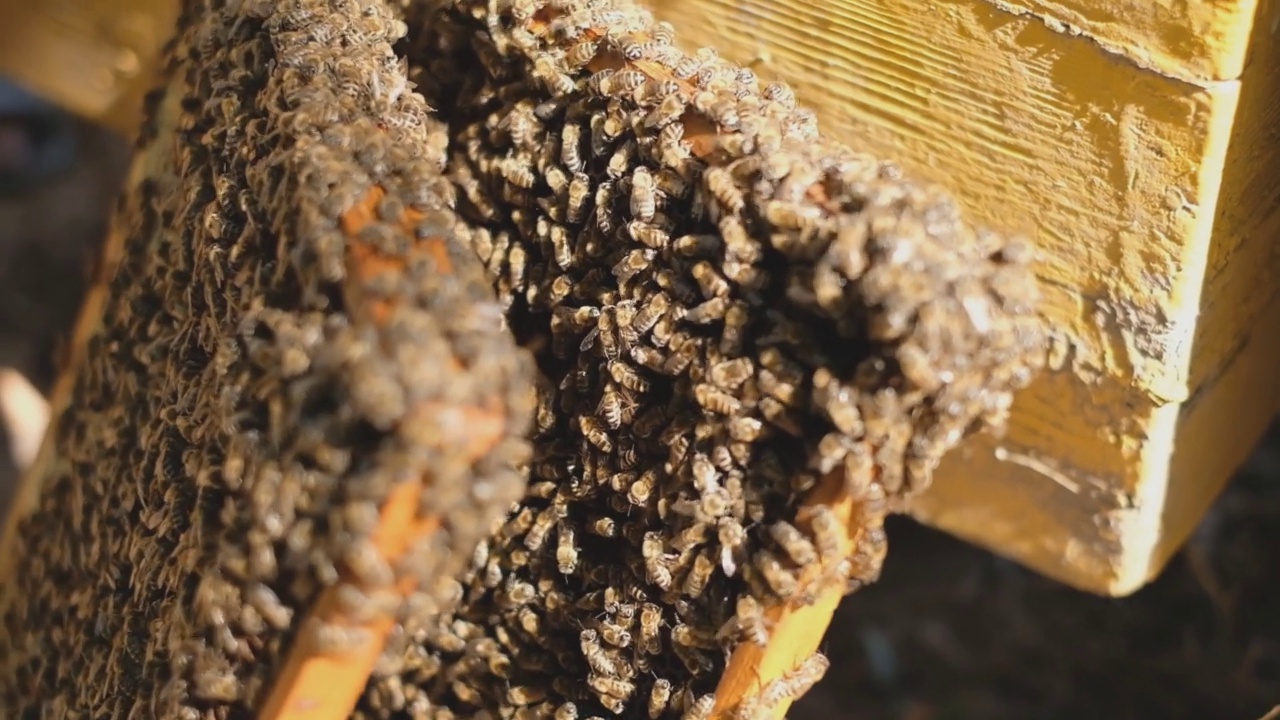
{"points": [[949, 633]]}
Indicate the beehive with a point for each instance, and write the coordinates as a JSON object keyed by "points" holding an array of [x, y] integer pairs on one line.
{"points": [[289, 336], [1136, 147]]}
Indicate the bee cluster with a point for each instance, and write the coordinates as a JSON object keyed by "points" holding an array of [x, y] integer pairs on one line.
{"points": [[725, 310], [703, 312], [253, 394]]}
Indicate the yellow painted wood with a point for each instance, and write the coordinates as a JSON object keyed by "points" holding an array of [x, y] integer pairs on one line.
{"points": [[1117, 171], [95, 58], [1194, 40]]}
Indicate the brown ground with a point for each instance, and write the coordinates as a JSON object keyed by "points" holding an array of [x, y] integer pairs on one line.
{"points": [[950, 632]]}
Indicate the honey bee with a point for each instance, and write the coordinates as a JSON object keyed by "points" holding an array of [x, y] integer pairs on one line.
{"points": [[632, 263], [331, 639], [627, 377], [659, 698], [609, 686], [621, 159], [598, 660], [649, 314], [639, 492], [578, 195], [566, 550], [719, 182], [600, 83], [543, 523], [571, 151], [794, 543], [603, 526], [700, 709], [648, 235], [681, 357], [696, 581], [643, 196], [715, 400], [581, 53], [781, 94], [655, 562], [525, 695], [709, 281], [615, 635], [672, 150], [654, 360], [709, 311]]}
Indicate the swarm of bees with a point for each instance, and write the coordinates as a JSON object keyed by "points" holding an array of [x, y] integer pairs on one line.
{"points": [[683, 309]]}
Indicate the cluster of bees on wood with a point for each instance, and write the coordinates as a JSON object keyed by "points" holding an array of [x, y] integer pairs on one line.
{"points": [[682, 306]]}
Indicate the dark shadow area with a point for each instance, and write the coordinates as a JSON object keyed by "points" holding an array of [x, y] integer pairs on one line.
{"points": [[954, 633]]}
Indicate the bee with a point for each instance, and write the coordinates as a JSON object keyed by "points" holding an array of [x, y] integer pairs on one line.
{"points": [[598, 660], [626, 376], [655, 562], [621, 159], [268, 604], [732, 537], [709, 281], [600, 83], [794, 543], [615, 635], [719, 182], [691, 64], [632, 263], [681, 357], [639, 492], [609, 686], [664, 33], [839, 402], [578, 195], [708, 312], [604, 207], [581, 53], [566, 711], [782, 581], [556, 82], [650, 358], [659, 698], [525, 695], [650, 628], [543, 522], [603, 526], [643, 196], [715, 400], [595, 434], [626, 81], [796, 682], [571, 150], [566, 550], [647, 234], [367, 564], [781, 94], [696, 581], [331, 639], [731, 374], [608, 334], [610, 407], [700, 709], [649, 314], [672, 150]]}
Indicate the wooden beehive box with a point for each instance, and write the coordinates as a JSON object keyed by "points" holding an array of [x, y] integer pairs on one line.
{"points": [[1132, 140]]}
